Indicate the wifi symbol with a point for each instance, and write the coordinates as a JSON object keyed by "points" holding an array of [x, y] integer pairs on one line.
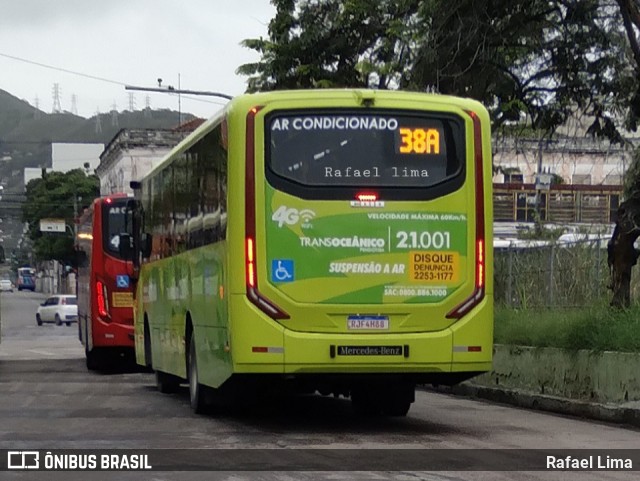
{"points": [[307, 215]]}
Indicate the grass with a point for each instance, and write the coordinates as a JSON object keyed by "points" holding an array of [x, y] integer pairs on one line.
{"points": [[597, 328]]}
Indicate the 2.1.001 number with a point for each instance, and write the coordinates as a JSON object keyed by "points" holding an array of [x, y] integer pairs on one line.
{"points": [[423, 240]]}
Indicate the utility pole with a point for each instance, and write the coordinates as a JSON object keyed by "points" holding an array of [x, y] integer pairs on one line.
{"points": [[76, 198], [537, 180], [179, 103]]}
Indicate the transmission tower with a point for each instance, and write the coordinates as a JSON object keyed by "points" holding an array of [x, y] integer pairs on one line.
{"points": [[74, 106], [56, 99], [132, 102], [98, 124], [37, 105], [147, 106], [114, 114]]}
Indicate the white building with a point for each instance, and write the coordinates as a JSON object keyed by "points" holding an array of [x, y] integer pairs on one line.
{"points": [[131, 154], [67, 156], [31, 173]]}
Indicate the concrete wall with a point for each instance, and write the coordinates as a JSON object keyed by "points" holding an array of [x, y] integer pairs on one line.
{"points": [[606, 377], [132, 165], [131, 154]]}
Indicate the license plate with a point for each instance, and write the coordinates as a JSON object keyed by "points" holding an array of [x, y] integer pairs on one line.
{"points": [[368, 323]]}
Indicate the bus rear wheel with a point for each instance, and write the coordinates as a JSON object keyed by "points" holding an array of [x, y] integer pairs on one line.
{"points": [[396, 407], [388, 400], [197, 392], [93, 360]]}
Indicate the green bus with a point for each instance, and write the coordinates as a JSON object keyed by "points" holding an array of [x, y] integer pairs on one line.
{"points": [[331, 241]]}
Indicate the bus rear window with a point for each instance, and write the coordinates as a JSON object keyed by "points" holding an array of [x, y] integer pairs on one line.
{"points": [[370, 148]]}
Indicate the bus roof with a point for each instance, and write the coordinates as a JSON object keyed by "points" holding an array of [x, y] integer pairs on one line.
{"points": [[247, 101]]}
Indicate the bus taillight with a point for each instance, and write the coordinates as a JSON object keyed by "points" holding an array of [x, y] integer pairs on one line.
{"points": [[478, 292], [253, 293], [102, 299], [367, 197], [480, 264], [251, 266]]}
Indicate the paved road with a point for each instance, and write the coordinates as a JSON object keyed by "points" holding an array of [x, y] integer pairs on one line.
{"points": [[23, 339], [48, 400]]}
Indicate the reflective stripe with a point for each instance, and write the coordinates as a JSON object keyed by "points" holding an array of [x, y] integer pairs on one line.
{"points": [[270, 350]]}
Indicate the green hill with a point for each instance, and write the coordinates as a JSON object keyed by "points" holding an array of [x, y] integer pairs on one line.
{"points": [[26, 134], [22, 123]]}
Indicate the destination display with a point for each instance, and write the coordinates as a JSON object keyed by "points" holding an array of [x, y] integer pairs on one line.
{"points": [[372, 149]]}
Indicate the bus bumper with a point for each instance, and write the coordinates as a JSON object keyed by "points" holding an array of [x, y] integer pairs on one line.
{"points": [[268, 347], [111, 334]]}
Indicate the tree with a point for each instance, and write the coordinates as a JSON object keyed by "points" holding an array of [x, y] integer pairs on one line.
{"points": [[333, 43], [533, 62], [55, 196], [622, 255]]}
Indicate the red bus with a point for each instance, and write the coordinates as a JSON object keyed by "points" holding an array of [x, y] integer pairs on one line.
{"points": [[105, 291]]}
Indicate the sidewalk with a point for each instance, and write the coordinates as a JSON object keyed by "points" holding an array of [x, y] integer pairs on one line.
{"points": [[625, 413]]}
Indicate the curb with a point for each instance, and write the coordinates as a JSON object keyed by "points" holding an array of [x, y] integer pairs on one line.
{"points": [[610, 413]]}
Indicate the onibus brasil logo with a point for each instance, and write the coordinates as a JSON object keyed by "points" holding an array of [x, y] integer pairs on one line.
{"points": [[290, 216]]}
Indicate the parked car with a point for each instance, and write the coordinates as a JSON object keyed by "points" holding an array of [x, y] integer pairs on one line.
{"points": [[59, 308], [6, 285]]}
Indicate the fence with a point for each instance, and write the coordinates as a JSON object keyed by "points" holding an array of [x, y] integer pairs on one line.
{"points": [[552, 275], [592, 204]]}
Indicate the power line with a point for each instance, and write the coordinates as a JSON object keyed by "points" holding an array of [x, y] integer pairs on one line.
{"points": [[60, 69], [95, 77]]}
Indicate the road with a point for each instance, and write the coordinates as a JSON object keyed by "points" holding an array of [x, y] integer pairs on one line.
{"points": [[49, 401]]}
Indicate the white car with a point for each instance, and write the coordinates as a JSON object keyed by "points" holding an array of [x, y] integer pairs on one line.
{"points": [[6, 285], [59, 308]]}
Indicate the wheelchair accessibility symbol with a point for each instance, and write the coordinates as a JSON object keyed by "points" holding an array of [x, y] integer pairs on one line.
{"points": [[282, 270], [122, 281]]}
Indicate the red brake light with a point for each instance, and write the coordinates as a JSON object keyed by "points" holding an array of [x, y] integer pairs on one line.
{"points": [[251, 267], [367, 197], [480, 264], [478, 292], [101, 299], [253, 293]]}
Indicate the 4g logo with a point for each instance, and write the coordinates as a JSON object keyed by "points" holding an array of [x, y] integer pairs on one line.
{"points": [[290, 216]]}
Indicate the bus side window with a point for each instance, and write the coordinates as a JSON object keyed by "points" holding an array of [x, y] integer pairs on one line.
{"points": [[181, 204], [155, 220], [211, 198]]}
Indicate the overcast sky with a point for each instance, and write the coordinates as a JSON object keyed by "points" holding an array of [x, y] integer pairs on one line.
{"points": [[193, 43]]}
